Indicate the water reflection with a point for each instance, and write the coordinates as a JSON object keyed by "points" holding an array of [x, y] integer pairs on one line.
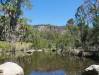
{"points": [[46, 64], [58, 72]]}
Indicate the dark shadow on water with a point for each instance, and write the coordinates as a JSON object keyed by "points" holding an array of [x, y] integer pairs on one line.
{"points": [[92, 72]]}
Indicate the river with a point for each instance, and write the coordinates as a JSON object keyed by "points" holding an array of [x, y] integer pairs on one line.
{"points": [[50, 64]]}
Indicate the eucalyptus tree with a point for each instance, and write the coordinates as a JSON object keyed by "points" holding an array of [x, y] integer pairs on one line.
{"points": [[95, 22], [87, 16], [70, 24], [13, 10], [82, 22]]}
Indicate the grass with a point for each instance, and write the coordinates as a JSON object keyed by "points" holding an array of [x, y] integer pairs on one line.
{"points": [[4, 45], [18, 45], [22, 45]]}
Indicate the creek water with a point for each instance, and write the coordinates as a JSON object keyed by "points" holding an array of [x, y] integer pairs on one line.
{"points": [[51, 64], [57, 72]]}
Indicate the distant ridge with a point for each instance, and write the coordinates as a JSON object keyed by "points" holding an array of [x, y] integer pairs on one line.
{"points": [[48, 27]]}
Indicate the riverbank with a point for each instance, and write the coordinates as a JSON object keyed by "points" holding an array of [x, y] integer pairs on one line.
{"points": [[8, 49], [17, 45], [20, 49]]}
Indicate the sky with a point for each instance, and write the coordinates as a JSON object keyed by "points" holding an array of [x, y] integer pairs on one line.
{"points": [[55, 12]]}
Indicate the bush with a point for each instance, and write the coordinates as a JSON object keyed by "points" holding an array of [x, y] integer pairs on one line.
{"points": [[4, 45]]}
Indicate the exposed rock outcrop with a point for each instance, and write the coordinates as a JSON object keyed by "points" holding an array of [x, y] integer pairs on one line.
{"points": [[10, 68], [91, 70]]}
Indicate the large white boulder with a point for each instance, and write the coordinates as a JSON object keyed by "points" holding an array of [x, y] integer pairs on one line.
{"points": [[93, 67], [10, 68], [91, 70]]}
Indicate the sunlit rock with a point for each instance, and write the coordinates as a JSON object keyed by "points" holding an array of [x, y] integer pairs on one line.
{"points": [[10, 68], [91, 70], [93, 67]]}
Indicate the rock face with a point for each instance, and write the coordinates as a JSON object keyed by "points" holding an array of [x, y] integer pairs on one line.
{"points": [[10, 68], [50, 28], [91, 70]]}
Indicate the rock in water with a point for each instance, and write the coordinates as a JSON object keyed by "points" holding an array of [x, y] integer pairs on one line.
{"points": [[10, 68], [91, 70]]}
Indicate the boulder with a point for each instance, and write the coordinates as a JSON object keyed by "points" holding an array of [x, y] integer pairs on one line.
{"points": [[91, 70], [10, 68]]}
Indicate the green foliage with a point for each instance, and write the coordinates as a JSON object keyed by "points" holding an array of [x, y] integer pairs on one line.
{"points": [[95, 32], [4, 45], [78, 33], [89, 35], [11, 11], [4, 27]]}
